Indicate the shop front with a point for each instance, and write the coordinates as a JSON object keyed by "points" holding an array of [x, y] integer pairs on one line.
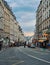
{"points": [[43, 42], [48, 32]]}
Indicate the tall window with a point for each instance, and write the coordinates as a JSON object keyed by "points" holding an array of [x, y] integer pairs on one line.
{"points": [[49, 13], [47, 4]]}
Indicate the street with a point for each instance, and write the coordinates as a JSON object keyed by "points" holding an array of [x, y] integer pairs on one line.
{"points": [[24, 56]]}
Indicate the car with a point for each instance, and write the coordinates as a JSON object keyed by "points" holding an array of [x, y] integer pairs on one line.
{"points": [[28, 45], [32, 46]]}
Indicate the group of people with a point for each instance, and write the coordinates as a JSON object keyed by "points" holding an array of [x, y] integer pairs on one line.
{"points": [[2, 42]]}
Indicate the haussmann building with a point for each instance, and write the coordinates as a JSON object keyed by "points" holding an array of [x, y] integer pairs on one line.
{"points": [[10, 30], [43, 22]]}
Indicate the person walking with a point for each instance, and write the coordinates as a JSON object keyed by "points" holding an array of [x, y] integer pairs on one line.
{"points": [[0, 45], [25, 44]]}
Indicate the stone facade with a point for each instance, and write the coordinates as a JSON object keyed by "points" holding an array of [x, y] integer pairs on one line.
{"points": [[9, 27]]}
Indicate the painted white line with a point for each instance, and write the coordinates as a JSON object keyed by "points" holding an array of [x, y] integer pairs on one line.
{"points": [[35, 57], [38, 58], [18, 63]]}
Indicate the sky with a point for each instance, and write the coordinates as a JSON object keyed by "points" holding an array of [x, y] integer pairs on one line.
{"points": [[25, 12]]}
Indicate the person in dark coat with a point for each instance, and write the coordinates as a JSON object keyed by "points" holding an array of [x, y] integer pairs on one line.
{"points": [[25, 44], [0, 45]]}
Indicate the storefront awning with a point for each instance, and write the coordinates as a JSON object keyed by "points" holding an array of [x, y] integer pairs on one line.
{"points": [[43, 38], [40, 40], [45, 34]]}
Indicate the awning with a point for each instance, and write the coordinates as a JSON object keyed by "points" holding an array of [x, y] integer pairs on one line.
{"points": [[45, 34], [44, 38], [40, 40]]}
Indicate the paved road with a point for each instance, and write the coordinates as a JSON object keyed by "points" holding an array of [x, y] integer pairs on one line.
{"points": [[24, 56]]}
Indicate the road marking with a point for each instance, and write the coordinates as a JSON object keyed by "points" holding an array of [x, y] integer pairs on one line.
{"points": [[38, 58], [35, 57], [18, 63]]}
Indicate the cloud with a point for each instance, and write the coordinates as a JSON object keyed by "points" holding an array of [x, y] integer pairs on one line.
{"points": [[28, 24], [27, 20], [29, 33], [13, 5], [25, 12], [25, 16], [21, 3]]}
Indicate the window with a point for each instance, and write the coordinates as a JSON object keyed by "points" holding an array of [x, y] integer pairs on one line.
{"points": [[49, 13], [45, 15], [49, 23], [47, 4]]}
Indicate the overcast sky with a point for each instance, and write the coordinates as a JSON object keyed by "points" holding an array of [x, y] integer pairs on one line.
{"points": [[25, 12]]}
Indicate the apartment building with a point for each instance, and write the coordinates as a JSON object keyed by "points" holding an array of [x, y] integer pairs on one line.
{"points": [[9, 28], [1, 21], [39, 20], [43, 20]]}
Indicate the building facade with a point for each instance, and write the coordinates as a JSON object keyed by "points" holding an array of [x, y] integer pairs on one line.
{"points": [[43, 20], [9, 27]]}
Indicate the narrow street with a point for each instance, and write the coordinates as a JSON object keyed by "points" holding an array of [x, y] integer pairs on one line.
{"points": [[24, 56], [24, 23]]}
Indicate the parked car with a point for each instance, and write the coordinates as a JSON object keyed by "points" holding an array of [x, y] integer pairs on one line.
{"points": [[32, 46], [28, 45]]}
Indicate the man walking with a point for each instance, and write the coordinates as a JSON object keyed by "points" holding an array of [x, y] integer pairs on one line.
{"points": [[24, 44], [0, 45]]}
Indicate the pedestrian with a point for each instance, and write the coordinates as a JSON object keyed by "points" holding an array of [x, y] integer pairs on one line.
{"points": [[24, 44], [0, 45]]}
